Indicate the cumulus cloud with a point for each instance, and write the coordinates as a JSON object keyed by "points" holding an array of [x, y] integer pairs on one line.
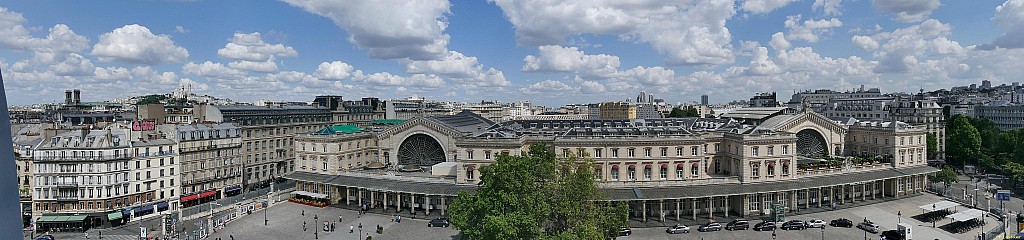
{"points": [[829, 7], [764, 6], [1010, 16], [907, 10], [389, 29], [265, 67], [809, 30], [686, 33], [760, 64], [74, 65], [548, 87], [864, 42], [779, 41], [554, 58], [592, 87], [136, 44], [460, 69], [180, 29], [250, 47], [212, 70], [336, 70], [388, 79], [902, 49]]}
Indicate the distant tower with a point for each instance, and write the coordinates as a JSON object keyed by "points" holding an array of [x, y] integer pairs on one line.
{"points": [[704, 99], [68, 99], [78, 97]]}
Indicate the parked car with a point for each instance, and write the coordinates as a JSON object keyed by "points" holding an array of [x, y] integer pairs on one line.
{"points": [[625, 232], [738, 224], [764, 226], [894, 235], [815, 223], [678, 228], [710, 226], [46, 237], [999, 213], [439, 222], [842, 222], [794, 225], [868, 226]]}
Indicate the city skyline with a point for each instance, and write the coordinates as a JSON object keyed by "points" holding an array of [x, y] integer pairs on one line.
{"points": [[509, 51]]}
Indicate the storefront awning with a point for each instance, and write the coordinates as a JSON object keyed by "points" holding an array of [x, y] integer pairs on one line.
{"points": [[114, 216], [143, 208], [208, 193], [309, 194], [190, 197], [62, 219], [162, 205], [46, 219], [77, 218], [233, 188]]}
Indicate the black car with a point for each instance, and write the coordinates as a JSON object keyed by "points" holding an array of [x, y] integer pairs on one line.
{"points": [[764, 226], [842, 222], [625, 232], [894, 235], [711, 226], [439, 222], [794, 225], [46, 237], [738, 224]]}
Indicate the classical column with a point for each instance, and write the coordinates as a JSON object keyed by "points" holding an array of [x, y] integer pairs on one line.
{"points": [[727, 206], [398, 203], [711, 207], [444, 208], [807, 198], [373, 200], [694, 201], [360, 193], [794, 205], [386, 201], [678, 206], [661, 207], [819, 197], [643, 209], [348, 196], [426, 206]]}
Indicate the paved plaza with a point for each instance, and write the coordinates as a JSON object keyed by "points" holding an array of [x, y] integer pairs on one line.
{"points": [[883, 214]]}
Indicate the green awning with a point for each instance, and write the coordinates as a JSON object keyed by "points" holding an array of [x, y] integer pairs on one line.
{"points": [[46, 219], [114, 216], [62, 218], [77, 218]]}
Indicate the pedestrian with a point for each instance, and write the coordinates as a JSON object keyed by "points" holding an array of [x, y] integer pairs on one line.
{"points": [[303, 212], [232, 237], [339, 218], [350, 228], [303, 226], [86, 235]]}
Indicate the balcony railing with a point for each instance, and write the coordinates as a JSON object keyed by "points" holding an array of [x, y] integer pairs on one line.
{"points": [[82, 158], [67, 198], [160, 153], [67, 185], [210, 147]]}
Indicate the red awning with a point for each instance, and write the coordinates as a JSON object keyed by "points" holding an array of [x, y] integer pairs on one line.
{"points": [[207, 193], [679, 166], [648, 166], [470, 169], [632, 166], [615, 167], [694, 165], [771, 164], [664, 166], [189, 198]]}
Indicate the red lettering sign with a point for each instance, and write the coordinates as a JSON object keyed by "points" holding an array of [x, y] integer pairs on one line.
{"points": [[143, 126]]}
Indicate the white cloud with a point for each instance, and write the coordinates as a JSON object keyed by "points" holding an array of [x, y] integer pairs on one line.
{"points": [[388, 79], [829, 7], [112, 73], [460, 69], [265, 67], [1010, 16], [779, 41], [864, 42], [810, 30], [336, 70], [389, 29], [760, 64], [907, 10], [901, 50], [553, 58], [592, 87], [686, 33], [74, 65], [180, 29], [250, 47], [548, 87], [212, 70], [764, 6], [136, 44]]}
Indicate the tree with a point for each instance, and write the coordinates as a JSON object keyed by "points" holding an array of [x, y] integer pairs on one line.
{"points": [[933, 146], [963, 141], [947, 177], [537, 196], [1014, 171], [683, 113], [150, 99]]}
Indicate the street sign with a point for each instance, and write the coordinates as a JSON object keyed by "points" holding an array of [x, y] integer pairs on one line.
{"points": [[1003, 195]]}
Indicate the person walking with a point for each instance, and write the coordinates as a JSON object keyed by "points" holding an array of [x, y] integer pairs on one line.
{"points": [[303, 226], [303, 212], [351, 229], [339, 218]]}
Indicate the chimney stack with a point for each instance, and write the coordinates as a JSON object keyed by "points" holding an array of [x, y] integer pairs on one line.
{"points": [[67, 97], [78, 97]]}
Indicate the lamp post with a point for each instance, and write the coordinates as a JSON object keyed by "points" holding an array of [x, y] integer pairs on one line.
{"points": [[316, 230], [822, 232]]}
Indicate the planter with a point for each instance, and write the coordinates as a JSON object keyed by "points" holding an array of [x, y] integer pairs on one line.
{"points": [[309, 203]]}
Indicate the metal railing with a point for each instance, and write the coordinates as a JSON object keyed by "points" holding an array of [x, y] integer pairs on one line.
{"points": [[210, 147], [83, 158]]}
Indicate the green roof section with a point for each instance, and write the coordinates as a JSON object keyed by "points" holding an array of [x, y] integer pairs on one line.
{"points": [[350, 128], [77, 218], [114, 216], [388, 121], [46, 219]]}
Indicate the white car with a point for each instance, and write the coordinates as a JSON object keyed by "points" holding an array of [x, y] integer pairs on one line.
{"points": [[678, 228], [815, 223]]}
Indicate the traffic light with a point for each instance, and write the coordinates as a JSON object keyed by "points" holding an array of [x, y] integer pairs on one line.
{"points": [[1020, 218]]}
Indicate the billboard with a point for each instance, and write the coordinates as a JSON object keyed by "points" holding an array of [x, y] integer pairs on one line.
{"points": [[1003, 195], [143, 125]]}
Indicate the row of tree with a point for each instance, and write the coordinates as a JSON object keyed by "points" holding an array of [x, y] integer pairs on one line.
{"points": [[979, 142]]}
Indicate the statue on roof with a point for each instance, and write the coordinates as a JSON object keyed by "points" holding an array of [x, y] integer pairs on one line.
{"points": [[806, 104]]}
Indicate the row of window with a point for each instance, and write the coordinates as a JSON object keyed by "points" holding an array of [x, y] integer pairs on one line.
{"points": [[631, 152]]}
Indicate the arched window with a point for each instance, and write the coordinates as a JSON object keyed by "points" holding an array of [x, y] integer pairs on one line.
{"points": [[679, 171], [771, 169], [631, 173], [664, 171], [785, 168], [615, 172], [694, 169], [755, 170], [647, 172]]}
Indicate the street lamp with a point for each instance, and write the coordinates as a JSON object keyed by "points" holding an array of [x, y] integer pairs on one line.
{"points": [[316, 230], [822, 232]]}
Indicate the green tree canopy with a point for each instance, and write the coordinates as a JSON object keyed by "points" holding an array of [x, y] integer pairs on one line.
{"points": [[933, 146], [947, 177], [150, 99], [963, 142], [537, 196], [680, 112]]}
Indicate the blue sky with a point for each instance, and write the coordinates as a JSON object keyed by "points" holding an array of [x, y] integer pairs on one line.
{"points": [[549, 52]]}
